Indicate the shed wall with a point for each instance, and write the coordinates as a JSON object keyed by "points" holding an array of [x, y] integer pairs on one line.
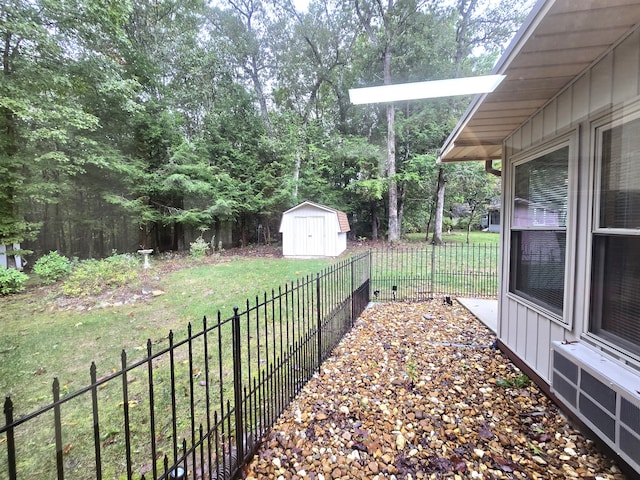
{"points": [[309, 231]]}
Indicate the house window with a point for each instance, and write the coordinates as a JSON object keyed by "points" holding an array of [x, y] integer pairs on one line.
{"points": [[539, 229], [615, 282]]}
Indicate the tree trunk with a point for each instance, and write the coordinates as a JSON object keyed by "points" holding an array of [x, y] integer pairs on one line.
{"points": [[471, 217], [374, 221], [432, 212], [296, 171], [462, 43], [437, 233], [394, 227], [402, 191], [465, 11], [262, 101]]}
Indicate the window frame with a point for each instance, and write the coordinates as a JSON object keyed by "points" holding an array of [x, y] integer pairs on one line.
{"points": [[593, 300], [569, 139]]}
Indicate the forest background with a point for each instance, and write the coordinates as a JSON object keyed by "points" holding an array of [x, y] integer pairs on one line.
{"points": [[146, 124]]}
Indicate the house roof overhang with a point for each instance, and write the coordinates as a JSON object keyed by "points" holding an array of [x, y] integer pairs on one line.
{"points": [[559, 40]]}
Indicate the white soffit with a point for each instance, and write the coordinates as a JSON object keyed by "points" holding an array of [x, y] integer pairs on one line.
{"points": [[421, 90], [558, 42]]}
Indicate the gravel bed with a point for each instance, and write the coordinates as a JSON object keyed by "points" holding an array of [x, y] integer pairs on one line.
{"points": [[416, 390]]}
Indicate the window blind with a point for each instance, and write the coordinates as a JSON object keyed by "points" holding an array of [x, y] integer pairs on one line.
{"points": [[620, 176], [616, 282], [541, 191]]}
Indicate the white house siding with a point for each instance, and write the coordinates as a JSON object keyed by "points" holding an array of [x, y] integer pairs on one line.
{"points": [[610, 83]]}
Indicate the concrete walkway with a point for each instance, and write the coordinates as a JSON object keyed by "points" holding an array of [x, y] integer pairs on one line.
{"points": [[485, 310]]}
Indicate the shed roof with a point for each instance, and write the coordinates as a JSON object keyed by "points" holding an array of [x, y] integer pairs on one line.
{"points": [[559, 41], [343, 221]]}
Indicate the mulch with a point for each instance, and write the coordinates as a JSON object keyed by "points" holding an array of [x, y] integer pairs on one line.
{"points": [[417, 390]]}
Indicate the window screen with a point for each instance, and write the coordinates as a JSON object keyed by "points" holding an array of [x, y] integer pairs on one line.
{"points": [[620, 177], [538, 267], [538, 233], [615, 282], [541, 191], [616, 286]]}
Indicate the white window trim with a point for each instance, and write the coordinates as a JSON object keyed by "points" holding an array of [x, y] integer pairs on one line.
{"points": [[627, 112], [568, 139]]}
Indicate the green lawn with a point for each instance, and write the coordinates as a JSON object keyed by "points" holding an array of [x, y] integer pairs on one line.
{"points": [[459, 236], [45, 335], [40, 341]]}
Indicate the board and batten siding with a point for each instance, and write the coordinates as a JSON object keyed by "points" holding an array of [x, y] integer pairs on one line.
{"points": [[607, 85]]}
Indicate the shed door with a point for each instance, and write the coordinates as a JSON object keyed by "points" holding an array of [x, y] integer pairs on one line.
{"points": [[309, 238]]}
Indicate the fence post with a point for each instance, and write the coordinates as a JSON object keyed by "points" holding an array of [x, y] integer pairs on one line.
{"points": [[11, 445], [319, 319], [57, 419], [237, 388], [370, 272], [353, 293], [433, 270]]}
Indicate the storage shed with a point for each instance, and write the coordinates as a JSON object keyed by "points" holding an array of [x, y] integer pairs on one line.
{"points": [[313, 230], [566, 125]]}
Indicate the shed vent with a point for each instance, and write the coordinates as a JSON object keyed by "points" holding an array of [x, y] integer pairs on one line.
{"points": [[605, 395]]}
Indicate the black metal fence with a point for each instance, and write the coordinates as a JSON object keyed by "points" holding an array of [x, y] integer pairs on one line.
{"points": [[197, 408], [420, 273]]}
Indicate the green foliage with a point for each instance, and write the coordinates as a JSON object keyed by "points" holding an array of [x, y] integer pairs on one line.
{"points": [[447, 224], [52, 266], [199, 248], [11, 281], [91, 277], [521, 381], [127, 118]]}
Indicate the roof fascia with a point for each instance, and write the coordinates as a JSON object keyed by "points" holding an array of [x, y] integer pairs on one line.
{"points": [[516, 45]]}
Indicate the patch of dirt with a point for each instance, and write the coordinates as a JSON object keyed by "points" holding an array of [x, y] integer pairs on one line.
{"points": [[147, 285]]}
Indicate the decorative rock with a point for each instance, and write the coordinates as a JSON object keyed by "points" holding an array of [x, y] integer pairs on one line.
{"points": [[455, 420], [354, 455]]}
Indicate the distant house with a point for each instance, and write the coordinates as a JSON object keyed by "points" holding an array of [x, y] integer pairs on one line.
{"points": [[313, 230], [565, 124], [491, 221]]}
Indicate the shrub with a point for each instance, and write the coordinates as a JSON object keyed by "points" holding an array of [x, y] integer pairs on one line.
{"points": [[52, 266], [91, 277], [447, 224], [11, 281], [199, 248]]}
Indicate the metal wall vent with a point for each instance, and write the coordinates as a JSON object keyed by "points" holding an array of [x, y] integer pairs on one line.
{"points": [[604, 394]]}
